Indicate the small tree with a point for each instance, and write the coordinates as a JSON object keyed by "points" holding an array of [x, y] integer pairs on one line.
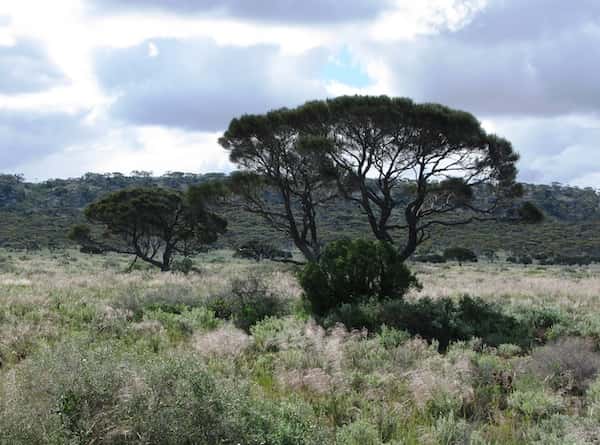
{"points": [[154, 225]]}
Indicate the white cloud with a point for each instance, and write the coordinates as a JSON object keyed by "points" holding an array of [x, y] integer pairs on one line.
{"points": [[123, 150]]}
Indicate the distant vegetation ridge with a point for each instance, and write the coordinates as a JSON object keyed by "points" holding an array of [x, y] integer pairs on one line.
{"points": [[38, 215]]}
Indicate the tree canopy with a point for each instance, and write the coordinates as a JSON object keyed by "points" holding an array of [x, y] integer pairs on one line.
{"points": [[408, 166], [153, 224]]}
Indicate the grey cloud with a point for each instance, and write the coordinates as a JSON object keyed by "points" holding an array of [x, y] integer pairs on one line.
{"points": [[26, 136], [292, 11], [201, 86], [561, 149], [510, 21], [499, 65], [528, 66], [25, 68]]}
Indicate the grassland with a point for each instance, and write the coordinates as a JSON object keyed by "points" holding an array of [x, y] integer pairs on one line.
{"points": [[90, 354]]}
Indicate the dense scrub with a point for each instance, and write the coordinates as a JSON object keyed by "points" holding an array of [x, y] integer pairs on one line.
{"points": [[90, 354]]}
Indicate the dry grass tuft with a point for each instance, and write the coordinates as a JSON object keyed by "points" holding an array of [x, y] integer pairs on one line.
{"points": [[226, 341]]}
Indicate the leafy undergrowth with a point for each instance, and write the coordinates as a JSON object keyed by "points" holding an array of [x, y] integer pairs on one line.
{"points": [[92, 355]]}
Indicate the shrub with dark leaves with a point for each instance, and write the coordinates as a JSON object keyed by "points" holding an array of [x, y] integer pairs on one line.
{"points": [[460, 254], [350, 271], [444, 320]]}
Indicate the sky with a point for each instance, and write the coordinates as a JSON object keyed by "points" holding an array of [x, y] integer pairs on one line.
{"points": [[122, 85]]}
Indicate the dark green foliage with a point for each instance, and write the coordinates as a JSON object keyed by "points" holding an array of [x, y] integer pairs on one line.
{"points": [[355, 270], [529, 213], [444, 320], [522, 259], [154, 225], [431, 258], [563, 260], [80, 233], [248, 301], [460, 254], [261, 250]]}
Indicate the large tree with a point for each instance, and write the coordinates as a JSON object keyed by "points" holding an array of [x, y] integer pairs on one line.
{"points": [[153, 224], [409, 167], [278, 159]]}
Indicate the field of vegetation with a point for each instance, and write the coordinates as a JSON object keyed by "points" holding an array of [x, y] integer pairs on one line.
{"points": [[228, 353]]}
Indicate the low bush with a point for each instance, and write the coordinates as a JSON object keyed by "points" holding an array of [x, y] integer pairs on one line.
{"points": [[247, 302], [570, 364], [562, 260], [261, 250], [444, 320], [351, 271], [522, 259], [184, 265], [431, 258], [460, 254], [535, 403]]}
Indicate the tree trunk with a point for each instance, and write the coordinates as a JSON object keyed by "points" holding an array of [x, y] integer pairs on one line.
{"points": [[166, 262]]}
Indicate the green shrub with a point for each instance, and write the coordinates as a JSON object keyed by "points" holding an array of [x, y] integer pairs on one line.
{"points": [[450, 430], [350, 271], [184, 265], [508, 350], [431, 258], [247, 302], [360, 432], [460, 254], [270, 333], [359, 315], [183, 323], [535, 403], [443, 320], [391, 338], [446, 320], [593, 399]]}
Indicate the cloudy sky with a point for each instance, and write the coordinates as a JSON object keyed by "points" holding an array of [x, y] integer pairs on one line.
{"points": [[120, 85]]}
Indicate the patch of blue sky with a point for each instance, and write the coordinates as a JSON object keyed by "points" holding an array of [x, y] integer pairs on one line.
{"points": [[343, 68]]}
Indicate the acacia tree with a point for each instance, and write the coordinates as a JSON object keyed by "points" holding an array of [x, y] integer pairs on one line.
{"points": [[409, 167], [154, 224], [278, 159]]}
